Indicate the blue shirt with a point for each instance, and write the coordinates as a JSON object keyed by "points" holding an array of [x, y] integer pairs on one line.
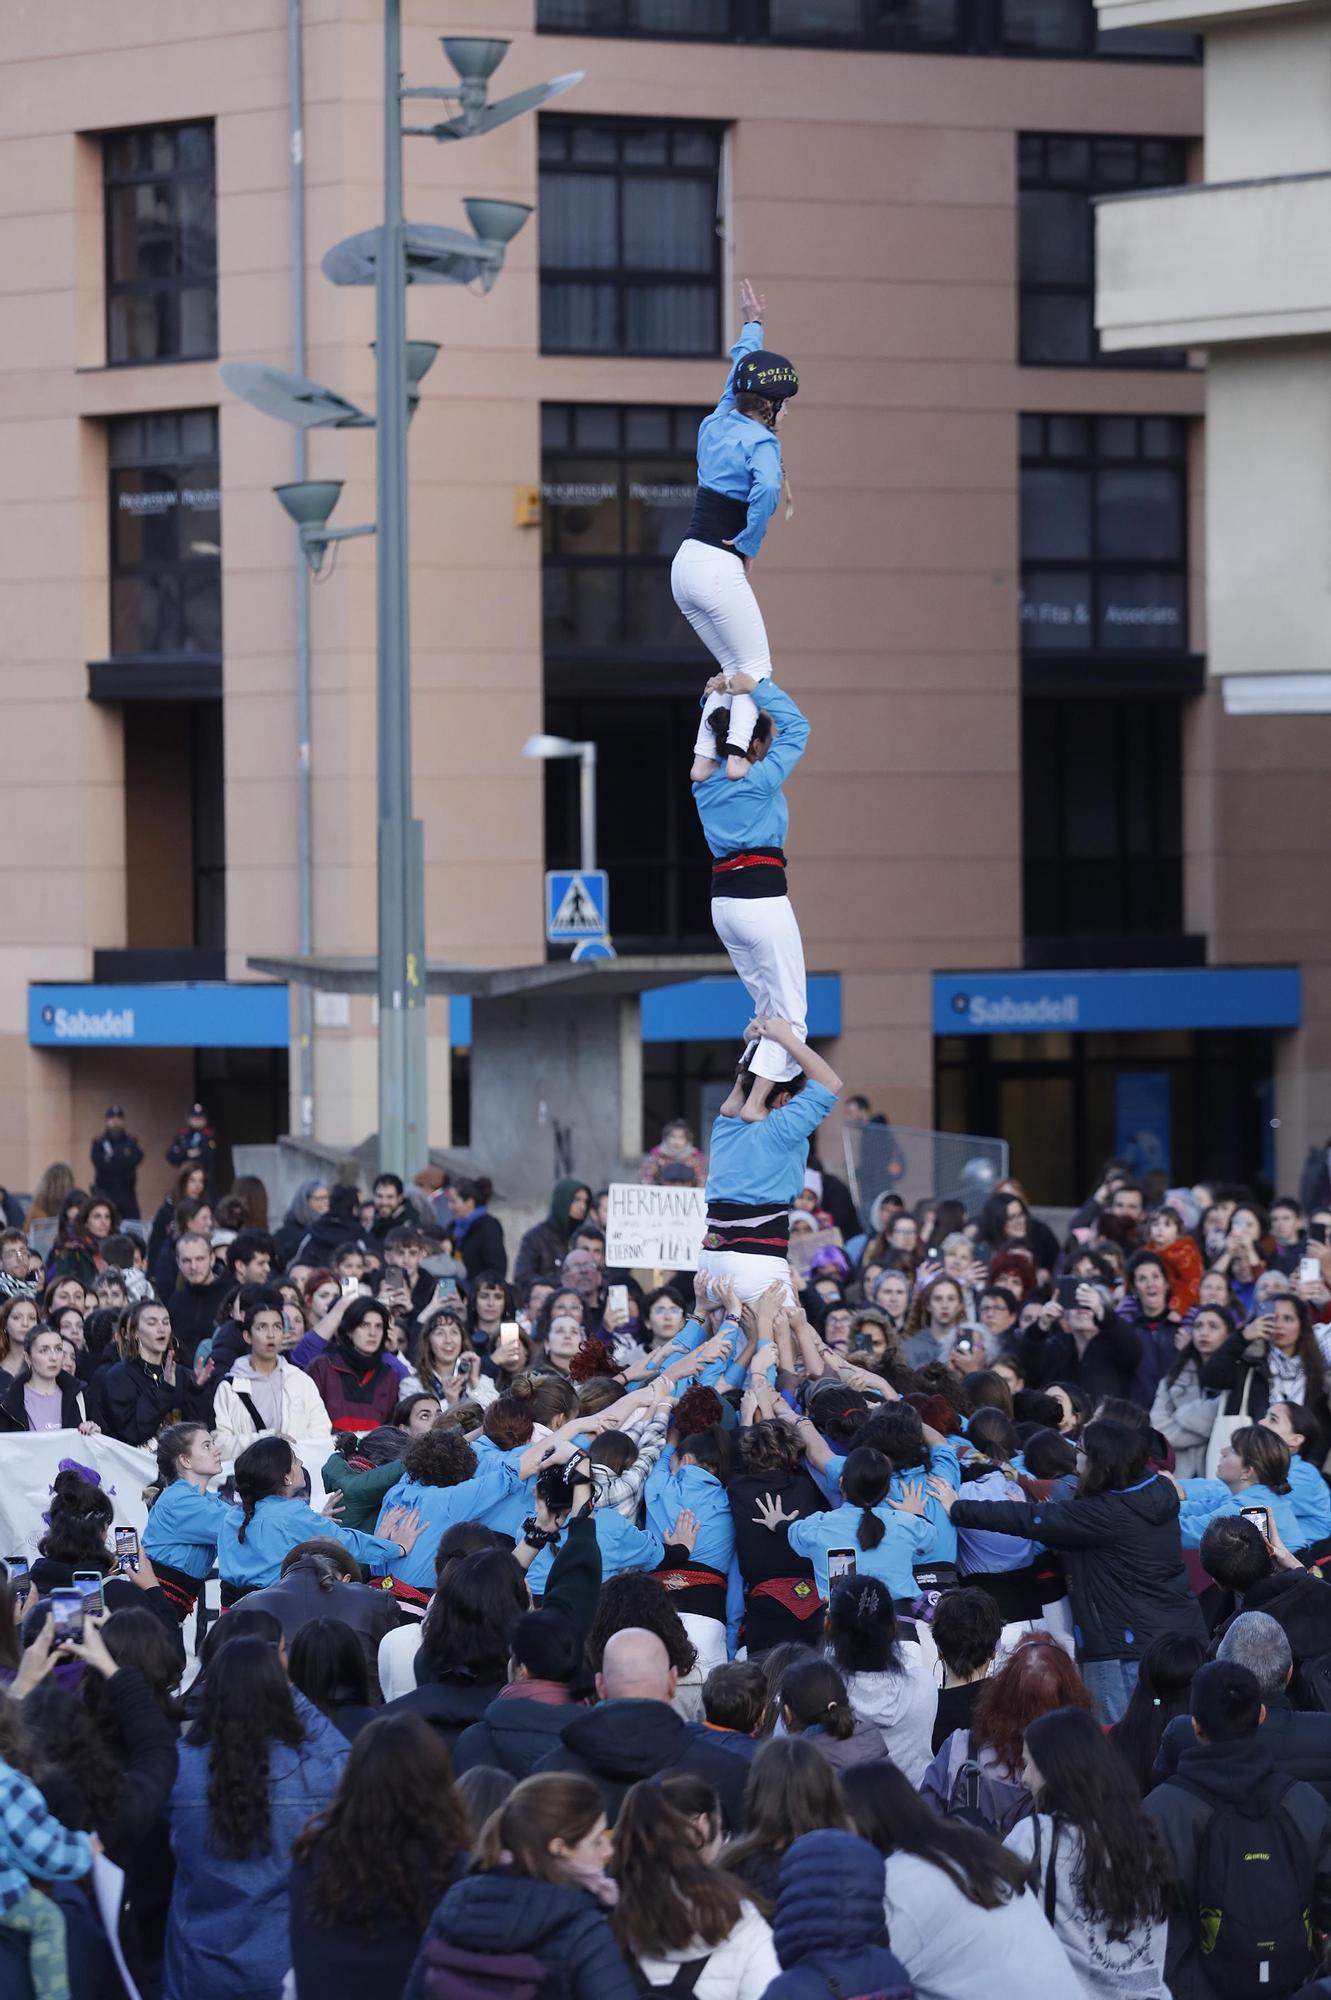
{"points": [[909, 1538], [1312, 1503], [943, 1461], [766, 1162], [740, 457], [669, 1492], [183, 1528], [1205, 1500], [440, 1508], [276, 1528], [752, 811]]}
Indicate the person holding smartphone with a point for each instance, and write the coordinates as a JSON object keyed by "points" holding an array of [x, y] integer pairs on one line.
{"points": [[1252, 1473]]}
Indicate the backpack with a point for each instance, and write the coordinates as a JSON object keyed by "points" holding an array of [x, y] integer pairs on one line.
{"points": [[454, 1974], [980, 1798], [1252, 1899], [686, 1977], [1311, 1687]]}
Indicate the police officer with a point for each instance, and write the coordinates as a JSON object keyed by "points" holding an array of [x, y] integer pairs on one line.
{"points": [[116, 1157]]}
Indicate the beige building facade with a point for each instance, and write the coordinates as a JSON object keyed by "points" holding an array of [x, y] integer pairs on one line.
{"points": [[919, 218]]}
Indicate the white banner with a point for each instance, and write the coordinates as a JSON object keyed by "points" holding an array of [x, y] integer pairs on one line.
{"points": [[654, 1228], [30, 1460]]}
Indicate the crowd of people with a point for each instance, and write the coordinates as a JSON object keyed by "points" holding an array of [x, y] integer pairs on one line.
{"points": [[946, 1618]]}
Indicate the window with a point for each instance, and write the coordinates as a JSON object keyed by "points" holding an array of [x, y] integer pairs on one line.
{"points": [[971, 27], [630, 246], [617, 494], [1102, 817], [166, 534], [161, 244], [1104, 535], [1058, 175]]}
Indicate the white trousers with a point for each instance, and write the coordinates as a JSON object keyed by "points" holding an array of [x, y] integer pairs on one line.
{"points": [[748, 1272], [762, 936], [709, 1640], [712, 590]]}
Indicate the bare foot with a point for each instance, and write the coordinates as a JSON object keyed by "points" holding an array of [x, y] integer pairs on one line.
{"points": [[737, 767], [734, 1103], [703, 769], [755, 1110]]}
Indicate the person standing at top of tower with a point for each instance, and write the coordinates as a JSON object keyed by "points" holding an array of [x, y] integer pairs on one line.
{"points": [[739, 484]]}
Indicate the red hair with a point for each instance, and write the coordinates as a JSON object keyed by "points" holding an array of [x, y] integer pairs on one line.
{"points": [[1020, 1263], [592, 1359], [698, 1409], [1037, 1678], [313, 1282]]}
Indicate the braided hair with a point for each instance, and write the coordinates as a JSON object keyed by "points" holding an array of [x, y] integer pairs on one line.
{"points": [[261, 1471]]}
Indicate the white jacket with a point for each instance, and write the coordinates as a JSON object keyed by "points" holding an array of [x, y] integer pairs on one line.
{"points": [[902, 1707], [741, 1967], [954, 1950], [303, 1412], [1185, 1417]]}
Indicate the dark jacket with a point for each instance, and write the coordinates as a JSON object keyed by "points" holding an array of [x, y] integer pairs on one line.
{"points": [[1107, 1366], [403, 1214], [514, 1734], [358, 1395], [1299, 1746], [830, 1927], [449, 1706], [74, 1408], [320, 1243], [505, 1914], [344, 1962], [545, 1246], [193, 1310], [482, 1247], [622, 1741], [189, 1147], [310, 1589], [120, 1592], [116, 1158], [134, 1401], [1123, 1557], [1228, 1774]]}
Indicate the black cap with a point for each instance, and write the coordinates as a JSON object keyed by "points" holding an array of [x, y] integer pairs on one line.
{"points": [[115, 1110], [766, 374]]}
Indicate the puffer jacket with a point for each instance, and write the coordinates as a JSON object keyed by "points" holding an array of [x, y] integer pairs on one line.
{"points": [[501, 1916], [830, 1927], [1184, 1413], [1124, 1560]]}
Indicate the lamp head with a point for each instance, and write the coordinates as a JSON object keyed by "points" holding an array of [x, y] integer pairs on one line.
{"points": [[496, 222], [474, 57], [309, 502], [551, 746]]}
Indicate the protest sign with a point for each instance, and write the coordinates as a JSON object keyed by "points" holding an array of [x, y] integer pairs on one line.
{"points": [[660, 1228]]}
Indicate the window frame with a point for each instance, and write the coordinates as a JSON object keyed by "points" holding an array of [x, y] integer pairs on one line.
{"points": [[1171, 358], [619, 277], [981, 31], [1099, 568], [187, 280], [185, 567]]}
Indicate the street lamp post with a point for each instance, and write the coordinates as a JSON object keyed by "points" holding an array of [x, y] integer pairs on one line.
{"points": [[547, 748], [388, 258]]}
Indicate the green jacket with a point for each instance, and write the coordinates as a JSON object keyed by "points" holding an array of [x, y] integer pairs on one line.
{"points": [[362, 1492]]}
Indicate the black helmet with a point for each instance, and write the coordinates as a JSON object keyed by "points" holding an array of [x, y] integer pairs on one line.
{"points": [[766, 374]]}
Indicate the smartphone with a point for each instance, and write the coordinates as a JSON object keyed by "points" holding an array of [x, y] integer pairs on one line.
{"points": [[89, 1583], [350, 1287], [67, 1614], [127, 1548], [1066, 1289], [1309, 1270], [508, 1336], [1261, 1520], [20, 1581], [617, 1300], [963, 1344], [447, 1288], [840, 1565], [1317, 1232]]}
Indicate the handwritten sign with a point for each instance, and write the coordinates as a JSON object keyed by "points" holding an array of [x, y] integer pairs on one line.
{"points": [[804, 1243], [661, 1228]]}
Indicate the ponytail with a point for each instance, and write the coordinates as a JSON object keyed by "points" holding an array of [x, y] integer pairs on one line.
{"points": [[871, 1530], [261, 1472], [865, 1482], [815, 1694], [172, 1445]]}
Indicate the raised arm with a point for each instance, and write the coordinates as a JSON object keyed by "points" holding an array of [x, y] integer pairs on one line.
{"points": [[768, 1027], [790, 740], [751, 304]]}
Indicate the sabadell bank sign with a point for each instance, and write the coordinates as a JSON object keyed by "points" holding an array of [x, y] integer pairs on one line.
{"points": [[1049, 1011], [115, 1024]]}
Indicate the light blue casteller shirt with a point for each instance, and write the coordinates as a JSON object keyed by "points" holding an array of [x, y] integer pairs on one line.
{"points": [[761, 1163], [751, 811], [740, 457]]}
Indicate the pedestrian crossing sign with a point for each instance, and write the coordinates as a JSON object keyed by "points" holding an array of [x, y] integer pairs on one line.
{"points": [[577, 904]]}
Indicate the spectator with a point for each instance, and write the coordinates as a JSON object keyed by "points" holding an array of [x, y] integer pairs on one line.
{"points": [[263, 1395], [1185, 1405], [1299, 1745], [369, 1868], [307, 1204], [1163, 1693], [814, 1704], [1097, 1862], [677, 1149], [477, 1234], [1228, 1812], [544, 1247], [391, 1207], [977, 1774], [194, 1303], [358, 1383], [195, 1144], [249, 1257], [462, 1664], [45, 1396], [967, 1626], [889, 1691], [116, 1158], [733, 1700], [526, 1717], [258, 1762], [320, 1579], [676, 1908], [145, 1391], [790, 1791], [539, 1888], [326, 1663]]}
